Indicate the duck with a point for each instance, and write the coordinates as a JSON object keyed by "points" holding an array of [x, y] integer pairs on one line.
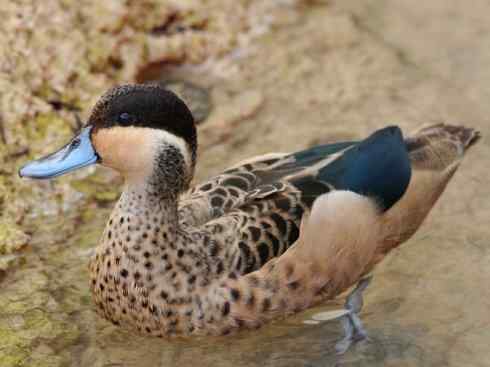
{"points": [[271, 236]]}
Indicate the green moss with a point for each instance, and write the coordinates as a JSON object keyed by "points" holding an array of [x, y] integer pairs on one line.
{"points": [[32, 317], [14, 348], [96, 188], [14, 357], [11, 237], [8, 261], [47, 124], [98, 53], [46, 360], [86, 300], [88, 239], [18, 343]]}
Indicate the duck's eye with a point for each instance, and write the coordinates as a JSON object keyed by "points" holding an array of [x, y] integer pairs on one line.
{"points": [[125, 118]]}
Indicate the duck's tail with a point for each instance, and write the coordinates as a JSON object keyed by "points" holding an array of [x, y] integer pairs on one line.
{"points": [[435, 154], [440, 146]]}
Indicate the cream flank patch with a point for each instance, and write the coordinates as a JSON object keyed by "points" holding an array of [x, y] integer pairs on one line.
{"points": [[131, 150], [341, 217]]}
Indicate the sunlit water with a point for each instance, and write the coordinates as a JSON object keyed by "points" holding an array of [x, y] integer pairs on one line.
{"points": [[320, 74]]}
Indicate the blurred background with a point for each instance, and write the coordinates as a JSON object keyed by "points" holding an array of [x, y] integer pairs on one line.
{"points": [[259, 76]]}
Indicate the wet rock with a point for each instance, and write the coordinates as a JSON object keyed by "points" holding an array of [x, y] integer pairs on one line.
{"points": [[197, 99]]}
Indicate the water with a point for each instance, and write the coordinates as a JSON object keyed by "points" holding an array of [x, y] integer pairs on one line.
{"points": [[322, 73]]}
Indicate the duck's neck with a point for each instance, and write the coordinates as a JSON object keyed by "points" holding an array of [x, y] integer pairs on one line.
{"points": [[153, 205], [151, 191]]}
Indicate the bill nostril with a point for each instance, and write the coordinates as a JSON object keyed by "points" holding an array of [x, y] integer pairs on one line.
{"points": [[75, 143]]}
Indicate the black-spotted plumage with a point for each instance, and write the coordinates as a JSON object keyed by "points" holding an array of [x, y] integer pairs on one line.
{"points": [[265, 199]]}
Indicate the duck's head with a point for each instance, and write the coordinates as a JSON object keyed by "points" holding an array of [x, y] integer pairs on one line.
{"points": [[142, 131]]}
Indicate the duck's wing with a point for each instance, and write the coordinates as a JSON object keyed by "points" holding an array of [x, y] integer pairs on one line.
{"points": [[255, 178], [266, 221]]}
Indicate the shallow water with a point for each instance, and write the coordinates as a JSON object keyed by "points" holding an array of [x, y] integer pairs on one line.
{"points": [[324, 72]]}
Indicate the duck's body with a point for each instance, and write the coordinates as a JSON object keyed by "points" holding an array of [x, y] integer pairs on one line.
{"points": [[220, 256]]}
